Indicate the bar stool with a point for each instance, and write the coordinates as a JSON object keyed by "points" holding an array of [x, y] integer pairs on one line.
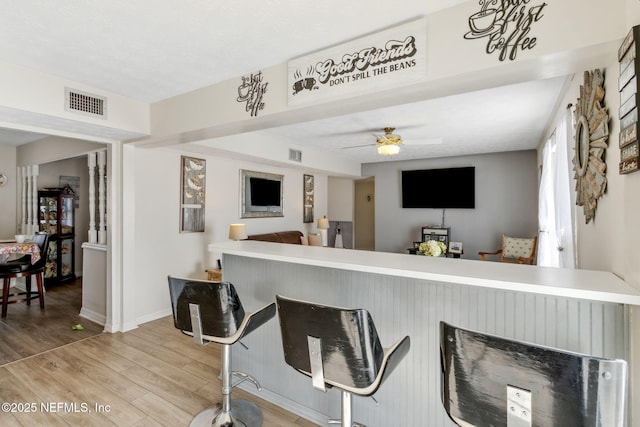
{"points": [[489, 380], [212, 312], [337, 347]]}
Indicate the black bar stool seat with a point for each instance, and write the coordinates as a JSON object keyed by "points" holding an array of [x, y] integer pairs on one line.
{"points": [[212, 312], [337, 347]]}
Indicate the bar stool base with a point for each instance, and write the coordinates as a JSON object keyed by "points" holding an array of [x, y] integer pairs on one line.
{"points": [[242, 414]]}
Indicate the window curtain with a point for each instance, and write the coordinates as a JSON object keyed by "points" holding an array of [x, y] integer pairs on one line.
{"points": [[546, 216], [556, 242], [564, 194]]}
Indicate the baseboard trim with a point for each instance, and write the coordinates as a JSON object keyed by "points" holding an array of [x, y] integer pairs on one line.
{"points": [[286, 404], [100, 319], [154, 316]]}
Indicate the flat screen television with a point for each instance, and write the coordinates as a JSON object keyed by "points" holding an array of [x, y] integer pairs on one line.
{"points": [[439, 188], [264, 192]]}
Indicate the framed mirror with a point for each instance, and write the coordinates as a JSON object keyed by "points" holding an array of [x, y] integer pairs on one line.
{"points": [[261, 194]]}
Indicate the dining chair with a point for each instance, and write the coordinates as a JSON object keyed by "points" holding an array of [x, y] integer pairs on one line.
{"points": [[22, 267]]}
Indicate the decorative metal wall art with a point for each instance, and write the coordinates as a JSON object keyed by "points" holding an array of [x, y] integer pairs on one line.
{"points": [[591, 140], [192, 190], [629, 100], [251, 91], [506, 25], [308, 198]]}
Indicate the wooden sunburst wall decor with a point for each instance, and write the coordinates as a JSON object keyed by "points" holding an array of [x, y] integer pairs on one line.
{"points": [[591, 141]]}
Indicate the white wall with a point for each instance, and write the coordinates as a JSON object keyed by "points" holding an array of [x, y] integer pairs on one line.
{"points": [[54, 148], [341, 192], [8, 192], [158, 249], [506, 202]]}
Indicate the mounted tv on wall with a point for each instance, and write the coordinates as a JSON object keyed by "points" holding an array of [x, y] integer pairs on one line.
{"points": [[261, 194], [264, 192], [450, 188]]}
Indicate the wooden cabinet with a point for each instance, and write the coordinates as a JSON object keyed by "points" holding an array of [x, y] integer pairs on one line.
{"points": [[57, 217]]}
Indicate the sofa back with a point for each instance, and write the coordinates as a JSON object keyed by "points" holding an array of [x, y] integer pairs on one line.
{"points": [[292, 237]]}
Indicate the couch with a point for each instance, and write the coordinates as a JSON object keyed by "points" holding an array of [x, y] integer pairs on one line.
{"points": [[292, 237]]}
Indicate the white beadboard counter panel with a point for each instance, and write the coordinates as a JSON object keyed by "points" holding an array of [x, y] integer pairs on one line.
{"points": [[410, 295], [581, 284]]}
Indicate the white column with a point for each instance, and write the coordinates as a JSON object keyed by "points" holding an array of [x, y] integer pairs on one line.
{"points": [[23, 205], [35, 171], [102, 197], [93, 233], [27, 229]]}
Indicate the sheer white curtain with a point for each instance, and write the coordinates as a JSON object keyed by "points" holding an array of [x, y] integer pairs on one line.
{"points": [[547, 248], [564, 193], [556, 247]]}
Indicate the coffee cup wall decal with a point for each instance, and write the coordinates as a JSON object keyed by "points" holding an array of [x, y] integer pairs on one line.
{"points": [[507, 25], [482, 21], [251, 91]]}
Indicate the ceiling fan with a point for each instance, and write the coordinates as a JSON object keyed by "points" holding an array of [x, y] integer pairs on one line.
{"points": [[388, 144]]}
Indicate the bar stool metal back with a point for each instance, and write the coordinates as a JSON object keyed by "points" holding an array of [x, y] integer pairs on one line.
{"points": [[212, 312], [337, 347], [493, 381]]}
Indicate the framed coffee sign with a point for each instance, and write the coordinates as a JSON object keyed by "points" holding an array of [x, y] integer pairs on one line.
{"points": [[629, 101]]}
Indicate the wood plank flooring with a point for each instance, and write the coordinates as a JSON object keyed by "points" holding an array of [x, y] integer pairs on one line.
{"points": [[27, 330], [151, 376]]}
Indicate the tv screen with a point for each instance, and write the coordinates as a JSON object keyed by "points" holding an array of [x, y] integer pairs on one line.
{"points": [[264, 192], [439, 188]]}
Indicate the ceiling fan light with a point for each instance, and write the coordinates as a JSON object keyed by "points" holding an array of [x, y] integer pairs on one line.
{"points": [[388, 150]]}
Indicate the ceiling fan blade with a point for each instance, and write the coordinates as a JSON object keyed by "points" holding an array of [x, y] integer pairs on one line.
{"points": [[358, 146], [423, 141]]}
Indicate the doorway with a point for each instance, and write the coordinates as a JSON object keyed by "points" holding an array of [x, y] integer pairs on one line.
{"points": [[365, 214]]}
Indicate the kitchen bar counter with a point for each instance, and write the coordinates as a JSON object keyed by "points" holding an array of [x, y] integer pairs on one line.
{"points": [[581, 284], [575, 310]]}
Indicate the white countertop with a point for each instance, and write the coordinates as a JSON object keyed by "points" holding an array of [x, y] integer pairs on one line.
{"points": [[582, 284]]}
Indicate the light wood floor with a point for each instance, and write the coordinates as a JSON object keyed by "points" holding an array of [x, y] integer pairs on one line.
{"points": [[151, 376], [27, 330]]}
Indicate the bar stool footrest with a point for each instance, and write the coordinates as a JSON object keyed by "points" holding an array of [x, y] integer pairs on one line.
{"points": [[245, 377], [335, 421]]}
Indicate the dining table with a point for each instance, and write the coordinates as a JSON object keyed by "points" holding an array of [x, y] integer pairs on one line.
{"points": [[14, 248]]}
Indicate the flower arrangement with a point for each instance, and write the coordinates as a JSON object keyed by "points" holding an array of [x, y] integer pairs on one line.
{"points": [[433, 248]]}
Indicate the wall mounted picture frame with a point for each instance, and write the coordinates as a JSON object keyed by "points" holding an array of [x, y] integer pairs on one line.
{"points": [[193, 174], [308, 198]]}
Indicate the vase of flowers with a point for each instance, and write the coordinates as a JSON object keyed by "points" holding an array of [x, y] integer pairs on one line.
{"points": [[433, 248]]}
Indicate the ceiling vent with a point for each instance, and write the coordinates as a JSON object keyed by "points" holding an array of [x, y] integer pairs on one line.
{"points": [[85, 103], [295, 155]]}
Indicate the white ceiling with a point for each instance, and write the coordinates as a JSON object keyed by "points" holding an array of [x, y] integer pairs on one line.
{"points": [[154, 49]]}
